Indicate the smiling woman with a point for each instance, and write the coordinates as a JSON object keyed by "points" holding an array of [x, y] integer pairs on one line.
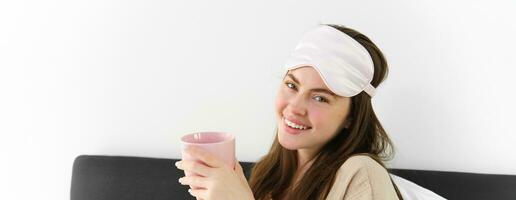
{"points": [[309, 104], [329, 144]]}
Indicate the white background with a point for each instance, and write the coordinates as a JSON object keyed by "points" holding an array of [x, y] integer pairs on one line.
{"points": [[130, 77]]}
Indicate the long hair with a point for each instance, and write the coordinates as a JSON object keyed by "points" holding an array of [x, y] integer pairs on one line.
{"points": [[272, 176]]}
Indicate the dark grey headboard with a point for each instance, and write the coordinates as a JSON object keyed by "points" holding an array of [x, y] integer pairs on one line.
{"points": [[137, 178]]}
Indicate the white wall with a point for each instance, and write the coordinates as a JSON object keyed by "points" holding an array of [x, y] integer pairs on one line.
{"points": [[131, 77]]}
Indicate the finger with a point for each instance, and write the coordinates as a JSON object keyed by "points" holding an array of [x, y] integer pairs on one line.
{"points": [[240, 170], [205, 156], [237, 166], [193, 166], [194, 181], [198, 193]]}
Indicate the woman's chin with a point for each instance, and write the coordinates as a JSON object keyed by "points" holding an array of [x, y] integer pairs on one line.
{"points": [[290, 145]]}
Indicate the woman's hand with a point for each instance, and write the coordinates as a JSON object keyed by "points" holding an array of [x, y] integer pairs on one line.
{"points": [[219, 180]]}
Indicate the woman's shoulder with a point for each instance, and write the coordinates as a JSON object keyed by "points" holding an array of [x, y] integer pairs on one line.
{"points": [[361, 175], [362, 162]]}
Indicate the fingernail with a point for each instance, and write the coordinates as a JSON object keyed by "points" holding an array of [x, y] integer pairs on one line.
{"points": [[177, 164], [190, 191], [181, 180]]}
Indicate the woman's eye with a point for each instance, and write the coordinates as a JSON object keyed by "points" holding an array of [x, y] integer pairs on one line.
{"points": [[317, 98], [320, 99], [290, 85]]}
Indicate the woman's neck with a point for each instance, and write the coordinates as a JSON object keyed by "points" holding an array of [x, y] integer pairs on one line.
{"points": [[305, 156], [305, 160]]}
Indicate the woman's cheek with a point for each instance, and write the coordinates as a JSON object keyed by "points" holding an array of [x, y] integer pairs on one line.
{"points": [[281, 102], [317, 117]]}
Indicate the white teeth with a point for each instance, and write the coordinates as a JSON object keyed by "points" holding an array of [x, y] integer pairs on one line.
{"points": [[294, 125]]}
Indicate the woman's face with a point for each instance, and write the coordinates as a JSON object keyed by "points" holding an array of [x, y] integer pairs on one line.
{"points": [[304, 99]]}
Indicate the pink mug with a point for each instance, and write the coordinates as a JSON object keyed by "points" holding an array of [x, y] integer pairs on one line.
{"points": [[219, 144]]}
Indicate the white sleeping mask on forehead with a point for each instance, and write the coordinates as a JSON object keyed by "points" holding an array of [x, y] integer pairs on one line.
{"points": [[344, 64]]}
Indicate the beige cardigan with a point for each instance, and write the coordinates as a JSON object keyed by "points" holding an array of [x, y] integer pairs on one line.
{"points": [[362, 178]]}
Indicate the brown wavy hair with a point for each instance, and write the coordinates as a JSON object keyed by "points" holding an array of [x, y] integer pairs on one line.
{"points": [[272, 176]]}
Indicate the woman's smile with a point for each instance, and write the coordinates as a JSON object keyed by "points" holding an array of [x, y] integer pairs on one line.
{"points": [[293, 128], [295, 124]]}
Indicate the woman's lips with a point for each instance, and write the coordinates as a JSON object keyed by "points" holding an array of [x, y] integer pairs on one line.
{"points": [[295, 122], [293, 131]]}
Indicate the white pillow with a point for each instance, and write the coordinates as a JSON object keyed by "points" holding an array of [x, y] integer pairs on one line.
{"points": [[412, 191]]}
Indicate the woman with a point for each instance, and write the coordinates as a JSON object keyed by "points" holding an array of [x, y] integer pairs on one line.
{"points": [[329, 144]]}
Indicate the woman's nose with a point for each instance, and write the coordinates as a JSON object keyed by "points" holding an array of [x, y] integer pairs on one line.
{"points": [[297, 105]]}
